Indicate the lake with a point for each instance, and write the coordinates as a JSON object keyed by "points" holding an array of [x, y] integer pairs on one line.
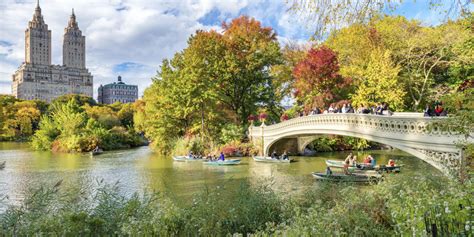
{"points": [[141, 169]]}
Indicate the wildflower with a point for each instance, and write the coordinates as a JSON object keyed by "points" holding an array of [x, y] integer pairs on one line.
{"points": [[446, 210]]}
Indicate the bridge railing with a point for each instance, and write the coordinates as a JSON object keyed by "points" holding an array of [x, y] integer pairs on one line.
{"points": [[404, 123]]}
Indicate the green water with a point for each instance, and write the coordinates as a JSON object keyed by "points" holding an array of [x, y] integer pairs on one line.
{"points": [[141, 169]]}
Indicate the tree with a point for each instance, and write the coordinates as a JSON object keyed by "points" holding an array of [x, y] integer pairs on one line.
{"points": [[380, 83], [327, 16], [251, 52], [283, 79], [318, 82], [219, 78], [427, 57]]}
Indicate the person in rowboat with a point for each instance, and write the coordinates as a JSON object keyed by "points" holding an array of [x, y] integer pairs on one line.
{"points": [[346, 168], [284, 156], [372, 161], [275, 155], [96, 149], [348, 158], [328, 171], [391, 163], [222, 157], [353, 161]]}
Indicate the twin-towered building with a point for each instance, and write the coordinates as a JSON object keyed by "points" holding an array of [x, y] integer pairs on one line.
{"points": [[37, 78]]}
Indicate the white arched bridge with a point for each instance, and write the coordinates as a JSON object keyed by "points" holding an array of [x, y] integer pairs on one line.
{"points": [[408, 132]]}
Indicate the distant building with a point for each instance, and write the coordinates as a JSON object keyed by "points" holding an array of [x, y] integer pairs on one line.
{"points": [[37, 78], [117, 91]]}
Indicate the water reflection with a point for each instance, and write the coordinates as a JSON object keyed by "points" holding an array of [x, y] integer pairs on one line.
{"points": [[140, 169]]}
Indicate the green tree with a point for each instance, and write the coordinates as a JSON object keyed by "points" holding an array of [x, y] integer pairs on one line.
{"points": [[326, 16], [380, 83]]}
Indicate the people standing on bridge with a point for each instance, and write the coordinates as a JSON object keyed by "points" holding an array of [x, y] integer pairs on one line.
{"points": [[428, 112], [344, 109], [378, 109], [350, 109], [439, 110], [331, 109]]}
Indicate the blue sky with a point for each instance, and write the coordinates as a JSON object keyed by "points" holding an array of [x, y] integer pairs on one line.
{"points": [[131, 37]]}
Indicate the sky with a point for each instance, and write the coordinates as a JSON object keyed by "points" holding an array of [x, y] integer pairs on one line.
{"points": [[131, 37]]}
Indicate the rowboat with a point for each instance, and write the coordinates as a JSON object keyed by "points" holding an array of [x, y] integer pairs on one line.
{"points": [[2, 165], [223, 162], [96, 152], [356, 178], [185, 158], [340, 164], [271, 160]]}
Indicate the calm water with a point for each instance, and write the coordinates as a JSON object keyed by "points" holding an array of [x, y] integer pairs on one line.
{"points": [[141, 169]]}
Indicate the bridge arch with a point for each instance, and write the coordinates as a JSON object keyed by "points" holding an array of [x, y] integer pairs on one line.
{"points": [[407, 132]]}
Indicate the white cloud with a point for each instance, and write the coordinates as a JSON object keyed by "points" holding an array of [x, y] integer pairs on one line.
{"points": [[117, 31], [142, 32]]}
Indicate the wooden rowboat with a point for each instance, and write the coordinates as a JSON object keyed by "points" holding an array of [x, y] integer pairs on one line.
{"points": [[223, 162], [358, 167], [2, 165], [271, 160], [356, 178], [185, 158]]}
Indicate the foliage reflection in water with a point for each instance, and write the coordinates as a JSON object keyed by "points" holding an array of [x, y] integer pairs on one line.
{"points": [[140, 169]]}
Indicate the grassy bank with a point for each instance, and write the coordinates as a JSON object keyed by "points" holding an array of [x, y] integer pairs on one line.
{"points": [[398, 206]]}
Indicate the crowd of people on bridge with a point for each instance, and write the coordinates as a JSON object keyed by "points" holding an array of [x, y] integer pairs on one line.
{"points": [[436, 109], [379, 109]]}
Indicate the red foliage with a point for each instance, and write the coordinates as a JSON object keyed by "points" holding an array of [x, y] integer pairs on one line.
{"points": [[284, 117], [317, 76], [251, 118], [229, 150], [262, 116]]}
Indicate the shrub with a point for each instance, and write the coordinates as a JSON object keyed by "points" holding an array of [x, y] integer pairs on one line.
{"points": [[184, 145], [231, 132], [237, 148]]}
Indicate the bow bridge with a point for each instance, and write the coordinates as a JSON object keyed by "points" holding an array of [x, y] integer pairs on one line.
{"points": [[408, 132]]}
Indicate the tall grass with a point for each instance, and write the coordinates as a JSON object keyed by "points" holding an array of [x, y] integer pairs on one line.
{"points": [[394, 207]]}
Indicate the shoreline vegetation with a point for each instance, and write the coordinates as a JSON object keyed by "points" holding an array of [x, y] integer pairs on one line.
{"points": [[71, 123], [398, 206]]}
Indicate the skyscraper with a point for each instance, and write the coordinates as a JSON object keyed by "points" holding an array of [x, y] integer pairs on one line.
{"points": [[37, 78]]}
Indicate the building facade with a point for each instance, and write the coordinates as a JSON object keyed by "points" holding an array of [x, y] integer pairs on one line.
{"points": [[37, 78], [117, 92]]}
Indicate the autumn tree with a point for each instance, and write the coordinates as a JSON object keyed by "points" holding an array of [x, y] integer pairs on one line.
{"points": [[318, 82], [380, 83], [219, 78], [282, 74]]}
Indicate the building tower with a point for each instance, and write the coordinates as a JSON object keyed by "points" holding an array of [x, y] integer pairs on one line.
{"points": [[74, 45], [38, 40]]}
